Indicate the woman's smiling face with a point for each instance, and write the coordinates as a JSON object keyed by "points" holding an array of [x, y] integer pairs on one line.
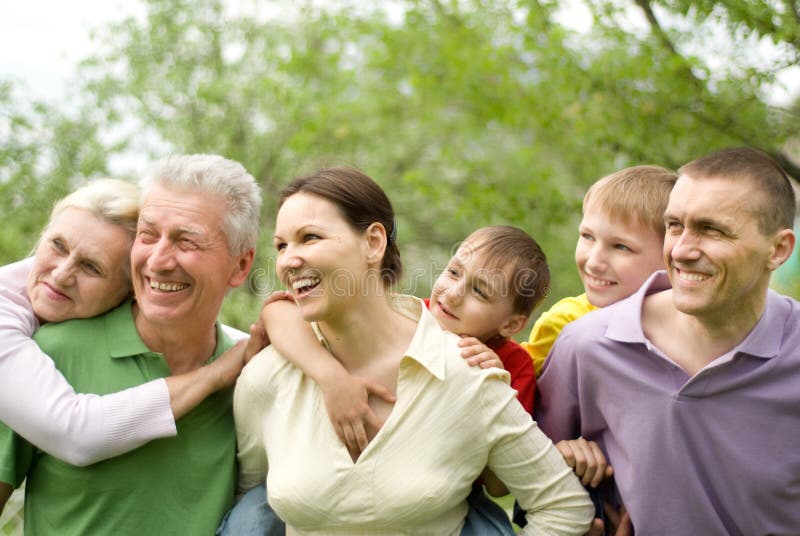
{"points": [[322, 260]]}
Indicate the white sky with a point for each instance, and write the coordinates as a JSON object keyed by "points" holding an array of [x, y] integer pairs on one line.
{"points": [[41, 41]]}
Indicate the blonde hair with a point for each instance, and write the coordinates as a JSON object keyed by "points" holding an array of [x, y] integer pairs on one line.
{"points": [[110, 200], [638, 193]]}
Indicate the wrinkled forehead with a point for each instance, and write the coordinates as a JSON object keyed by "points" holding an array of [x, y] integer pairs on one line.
{"points": [[715, 197]]}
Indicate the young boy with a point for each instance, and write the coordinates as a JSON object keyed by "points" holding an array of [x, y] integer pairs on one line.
{"points": [[488, 290], [486, 293], [620, 242], [619, 246]]}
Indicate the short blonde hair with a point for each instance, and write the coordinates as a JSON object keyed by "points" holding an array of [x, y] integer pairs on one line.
{"points": [[638, 193], [110, 200]]}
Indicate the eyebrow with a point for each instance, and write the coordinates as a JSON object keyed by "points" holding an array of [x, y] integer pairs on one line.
{"points": [[180, 230]]}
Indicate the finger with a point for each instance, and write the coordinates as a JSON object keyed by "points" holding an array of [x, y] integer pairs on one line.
{"points": [[350, 439], [467, 340], [565, 449], [278, 295], [599, 465], [379, 390], [360, 435]]}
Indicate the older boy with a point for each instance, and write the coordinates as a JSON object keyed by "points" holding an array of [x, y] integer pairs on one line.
{"points": [[619, 247]]}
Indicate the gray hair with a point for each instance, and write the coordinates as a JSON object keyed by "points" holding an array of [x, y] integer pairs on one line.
{"points": [[215, 175]]}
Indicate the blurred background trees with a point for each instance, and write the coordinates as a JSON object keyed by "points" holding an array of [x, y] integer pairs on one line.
{"points": [[468, 112]]}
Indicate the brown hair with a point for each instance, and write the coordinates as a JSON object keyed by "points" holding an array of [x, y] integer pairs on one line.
{"points": [[361, 202], [638, 193], [504, 244], [776, 207]]}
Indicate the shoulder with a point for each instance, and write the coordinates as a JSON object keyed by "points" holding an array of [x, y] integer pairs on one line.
{"points": [[568, 309], [14, 276], [267, 370], [510, 351]]}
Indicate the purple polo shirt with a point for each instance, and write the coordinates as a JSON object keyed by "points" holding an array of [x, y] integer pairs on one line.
{"points": [[716, 454]]}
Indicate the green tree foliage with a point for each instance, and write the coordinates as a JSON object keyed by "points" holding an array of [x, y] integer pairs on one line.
{"points": [[468, 112], [43, 155]]}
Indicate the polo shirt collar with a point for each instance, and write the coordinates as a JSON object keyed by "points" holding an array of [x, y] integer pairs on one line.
{"points": [[124, 339], [625, 316], [764, 340]]}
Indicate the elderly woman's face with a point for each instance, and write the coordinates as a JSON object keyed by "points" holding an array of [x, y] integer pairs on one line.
{"points": [[80, 267], [322, 260]]}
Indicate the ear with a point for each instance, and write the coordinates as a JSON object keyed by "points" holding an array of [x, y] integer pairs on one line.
{"points": [[512, 325], [782, 247], [375, 245], [243, 264]]}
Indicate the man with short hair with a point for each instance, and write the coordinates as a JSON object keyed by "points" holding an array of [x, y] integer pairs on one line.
{"points": [[690, 386], [195, 239]]}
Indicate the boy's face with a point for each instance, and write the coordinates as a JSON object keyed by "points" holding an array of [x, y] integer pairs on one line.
{"points": [[470, 299], [615, 257]]}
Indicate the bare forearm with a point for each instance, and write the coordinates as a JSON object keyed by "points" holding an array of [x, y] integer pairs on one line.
{"points": [[187, 390], [302, 349]]}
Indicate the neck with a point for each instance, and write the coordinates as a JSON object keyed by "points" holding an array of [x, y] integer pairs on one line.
{"points": [[185, 348], [355, 338], [721, 333]]}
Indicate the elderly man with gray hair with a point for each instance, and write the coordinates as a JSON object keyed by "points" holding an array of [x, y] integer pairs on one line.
{"points": [[195, 239]]}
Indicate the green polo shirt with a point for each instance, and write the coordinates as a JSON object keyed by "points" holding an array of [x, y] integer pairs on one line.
{"points": [[179, 485]]}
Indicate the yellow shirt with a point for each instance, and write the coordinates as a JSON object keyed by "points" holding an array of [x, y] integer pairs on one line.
{"points": [[449, 422], [549, 325]]}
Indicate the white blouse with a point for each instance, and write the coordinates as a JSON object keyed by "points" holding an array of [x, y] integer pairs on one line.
{"points": [[450, 421]]}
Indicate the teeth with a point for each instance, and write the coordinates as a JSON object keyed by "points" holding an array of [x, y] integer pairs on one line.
{"points": [[598, 282], [692, 276], [167, 287], [305, 282]]}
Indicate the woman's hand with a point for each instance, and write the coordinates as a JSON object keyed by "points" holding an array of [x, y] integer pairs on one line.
{"points": [[477, 353], [346, 399], [586, 459]]}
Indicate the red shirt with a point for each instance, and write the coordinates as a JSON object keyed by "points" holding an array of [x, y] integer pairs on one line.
{"points": [[517, 361]]}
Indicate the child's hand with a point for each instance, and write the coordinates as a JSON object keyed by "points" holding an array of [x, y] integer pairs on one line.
{"points": [[586, 459], [258, 341], [477, 353], [346, 399]]}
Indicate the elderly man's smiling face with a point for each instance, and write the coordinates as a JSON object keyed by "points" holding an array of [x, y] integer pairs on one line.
{"points": [[181, 263]]}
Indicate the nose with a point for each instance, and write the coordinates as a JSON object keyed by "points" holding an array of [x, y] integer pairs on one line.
{"points": [[161, 257], [683, 247], [452, 292], [64, 272], [596, 260], [288, 260]]}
